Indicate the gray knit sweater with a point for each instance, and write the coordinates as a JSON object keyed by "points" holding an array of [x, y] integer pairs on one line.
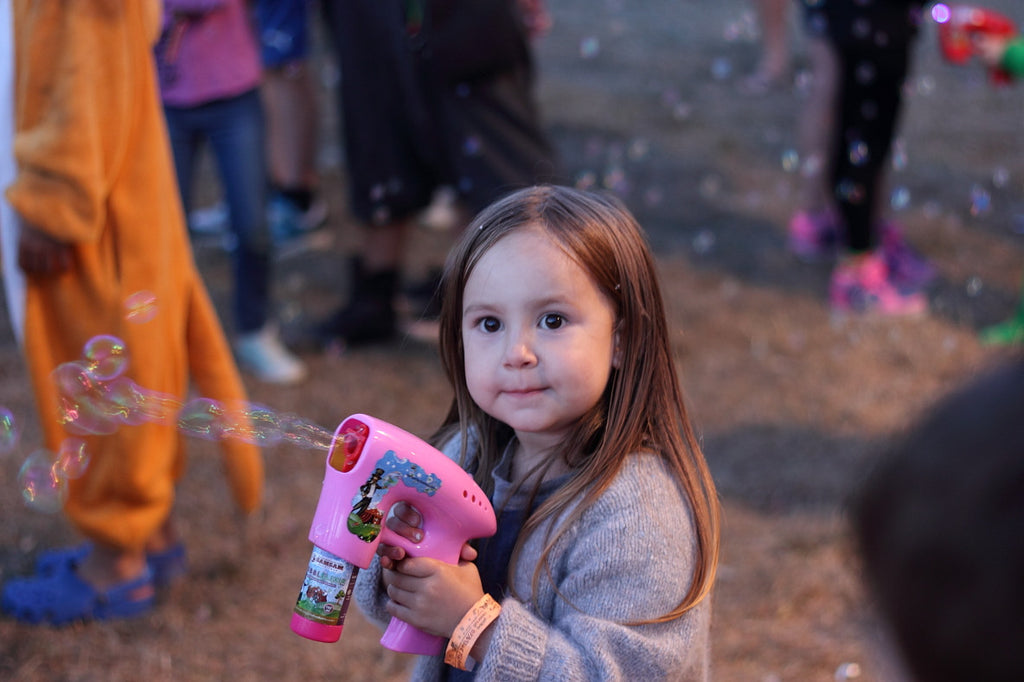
{"points": [[630, 557]]}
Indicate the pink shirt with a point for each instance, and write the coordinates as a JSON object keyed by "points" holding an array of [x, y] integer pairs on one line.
{"points": [[207, 51]]}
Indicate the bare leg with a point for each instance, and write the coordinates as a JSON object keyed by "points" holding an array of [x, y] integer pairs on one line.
{"points": [[106, 566], [290, 103], [774, 63], [385, 245], [814, 134]]}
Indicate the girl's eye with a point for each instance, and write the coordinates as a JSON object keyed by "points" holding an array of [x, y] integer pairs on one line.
{"points": [[490, 324], [552, 321]]}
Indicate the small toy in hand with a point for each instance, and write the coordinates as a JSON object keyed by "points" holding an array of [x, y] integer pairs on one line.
{"points": [[962, 27], [372, 465]]}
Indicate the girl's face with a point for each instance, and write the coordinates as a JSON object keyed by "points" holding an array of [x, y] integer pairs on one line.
{"points": [[538, 335]]}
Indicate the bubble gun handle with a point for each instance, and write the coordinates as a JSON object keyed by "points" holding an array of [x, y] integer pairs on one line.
{"points": [[372, 465], [960, 24]]}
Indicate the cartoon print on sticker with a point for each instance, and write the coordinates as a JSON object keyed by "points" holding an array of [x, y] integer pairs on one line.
{"points": [[366, 518]]}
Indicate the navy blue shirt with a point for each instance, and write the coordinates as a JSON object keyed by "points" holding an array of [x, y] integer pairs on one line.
{"points": [[494, 554]]}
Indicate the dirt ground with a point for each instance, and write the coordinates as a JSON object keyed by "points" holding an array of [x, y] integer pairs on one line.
{"points": [[641, 96]]}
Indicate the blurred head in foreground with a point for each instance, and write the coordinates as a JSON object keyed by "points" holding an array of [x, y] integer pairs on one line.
{"points": [[940, 527]]}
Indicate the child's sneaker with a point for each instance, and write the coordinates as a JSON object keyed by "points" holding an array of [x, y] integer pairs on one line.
{"points": [[264, 356], [295, 231], [210, 226], [814, 236], [1007, 333], [862, 284], [907, 267]]}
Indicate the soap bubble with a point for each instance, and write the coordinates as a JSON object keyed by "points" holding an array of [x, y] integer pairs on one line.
{"points": [[9, 434], [471, 146], [203, 418], [899, 156], [653, 196], [615, 179], [1000, 177], [586, 180], [42, 487], [160, 408], [253, 424], [94, 398], [974, 285], [850, 191], [790, 160], [140, 307], [860, 153], [305, 434], [73, 458], [122, 401], [900, 198], [590, 47], [106, 356], [981, 201], [865, 72], [721, 69], [847, 671], [79, 400], [704, 242]]}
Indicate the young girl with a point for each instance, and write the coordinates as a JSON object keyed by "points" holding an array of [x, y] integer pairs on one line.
{"points": [[568, 412]]}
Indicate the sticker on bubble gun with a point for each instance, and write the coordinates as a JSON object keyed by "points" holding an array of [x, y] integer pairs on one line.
{"points": [[327, 589]]}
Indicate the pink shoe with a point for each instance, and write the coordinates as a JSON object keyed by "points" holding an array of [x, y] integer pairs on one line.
{"points": [[864, 285], [814, 236], [908, 269]]}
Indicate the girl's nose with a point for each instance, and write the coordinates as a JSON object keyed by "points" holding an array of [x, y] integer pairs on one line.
{"points": [[519, 351]]}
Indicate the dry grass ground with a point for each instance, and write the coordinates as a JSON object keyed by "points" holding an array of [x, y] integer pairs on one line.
{"points": [[791, 403]]}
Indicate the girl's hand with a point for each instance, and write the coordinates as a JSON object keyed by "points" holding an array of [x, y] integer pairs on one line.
{"points": [[40, 254], [408, 523], [432, 595]]}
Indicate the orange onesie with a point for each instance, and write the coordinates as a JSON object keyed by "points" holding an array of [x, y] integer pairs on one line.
{"points": [[94, 169]]}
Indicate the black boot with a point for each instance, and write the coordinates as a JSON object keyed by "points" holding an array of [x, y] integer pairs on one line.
{"points": [[369, 316]]}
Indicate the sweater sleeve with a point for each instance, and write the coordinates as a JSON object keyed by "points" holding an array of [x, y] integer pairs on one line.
{"points": [[72, 100], [1013, 58], [631, 557], [369, 595]]}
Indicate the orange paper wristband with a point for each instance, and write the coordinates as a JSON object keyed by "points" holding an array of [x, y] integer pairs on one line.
{"points": [[468, 631]]}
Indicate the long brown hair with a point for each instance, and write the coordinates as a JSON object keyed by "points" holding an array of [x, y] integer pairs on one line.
{"points": [[642, 409]]}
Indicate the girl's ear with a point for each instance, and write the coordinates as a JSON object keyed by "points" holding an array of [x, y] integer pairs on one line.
{"points": [[617, 347]]}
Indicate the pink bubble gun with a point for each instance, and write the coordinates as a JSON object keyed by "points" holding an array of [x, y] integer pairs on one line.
{"points": [[372, 465], [960, 24]]}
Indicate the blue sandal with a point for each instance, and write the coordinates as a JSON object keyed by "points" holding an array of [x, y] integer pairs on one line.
{"points": [[53, 560], [167, 566], [61, 597]]}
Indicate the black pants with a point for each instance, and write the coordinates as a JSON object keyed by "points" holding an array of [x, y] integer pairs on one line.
{"points": [[869, 100], [872, 42], [432, 104]]}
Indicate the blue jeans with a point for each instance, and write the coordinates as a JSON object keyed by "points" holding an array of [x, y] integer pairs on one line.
{"points": [[233, 128]]}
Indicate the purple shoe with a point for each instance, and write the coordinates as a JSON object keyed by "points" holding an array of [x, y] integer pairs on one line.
{"points": [[814, 236], [864, 286], [908, 269]]}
